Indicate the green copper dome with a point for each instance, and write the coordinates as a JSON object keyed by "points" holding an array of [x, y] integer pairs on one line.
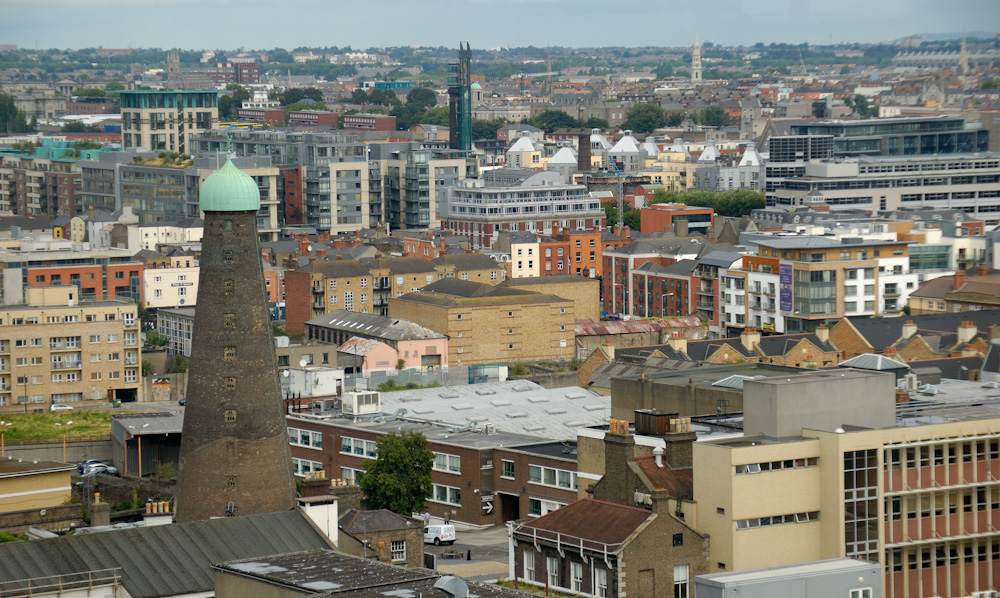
{"points": [[229, 189]]}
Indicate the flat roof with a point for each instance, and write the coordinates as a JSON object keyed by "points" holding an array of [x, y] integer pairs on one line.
{"points": [[798, 570], [11, 467]]}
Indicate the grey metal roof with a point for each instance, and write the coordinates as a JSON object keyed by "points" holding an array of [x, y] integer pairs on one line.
{"points": [[141, 424], [517, 406], [735, 381], [166, 560], [374, 326], [871, 361], [723, 259]]}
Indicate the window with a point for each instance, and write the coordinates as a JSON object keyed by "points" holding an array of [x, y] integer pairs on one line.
{"points": [[448, 463], [576, 576], [529, 564], [333, 285], [548, 476], [398, 551], [357, 447], [448, 494], [364, 283], [303, 466], [552, 568], [681, 581], [678, 539], [95, 338], [506, 469], [114, 356], [349, 300], [112, 338], [861, 593], [601, 582]]}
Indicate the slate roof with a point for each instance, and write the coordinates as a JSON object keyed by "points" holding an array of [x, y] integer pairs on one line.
{"points": [[166, 560], [723, 259], [401, 265], [467, 261], [884, 332], [679, 482], [457, 288], [25, 222], [992, 361], [702, 350], [372, 325], [783, 343], [11, 467], [955, 368], [354, 521], [338, 268], [554, 279], [142, 424], [597, 522]]}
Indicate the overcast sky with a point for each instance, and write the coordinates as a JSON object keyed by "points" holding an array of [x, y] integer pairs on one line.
{"points": [[265, 24]]}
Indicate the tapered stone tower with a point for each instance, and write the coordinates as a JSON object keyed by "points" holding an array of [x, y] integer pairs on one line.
{"points": [[234, 458]]}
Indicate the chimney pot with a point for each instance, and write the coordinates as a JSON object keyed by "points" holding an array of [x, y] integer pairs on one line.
{"points": [[983, 270]]}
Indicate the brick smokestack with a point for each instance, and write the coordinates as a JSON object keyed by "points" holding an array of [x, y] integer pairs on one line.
{"points": [[958, 280]]}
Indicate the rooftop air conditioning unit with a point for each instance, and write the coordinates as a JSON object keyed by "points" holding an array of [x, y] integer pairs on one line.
{"points": [[361, 403]]}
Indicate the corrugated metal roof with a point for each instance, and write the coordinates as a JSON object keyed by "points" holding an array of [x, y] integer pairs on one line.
{"points": [[595, 522], [167, 560], [735, 381]]}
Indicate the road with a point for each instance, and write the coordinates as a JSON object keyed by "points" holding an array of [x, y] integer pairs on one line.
{"points": [[488, 551]]}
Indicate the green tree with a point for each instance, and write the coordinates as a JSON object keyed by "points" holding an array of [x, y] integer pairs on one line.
{"points": [[115, 86], [664, 70], [12, 120], [989, 84], [436, 116], [79, 127], [400, 477], [421, 99], [359, 96], [156, 339], [644, 118], [713, 116], [594, 123], [297, 94], [674, 119], [845, 70], [177, 365], [486, 129], [550, 120]]}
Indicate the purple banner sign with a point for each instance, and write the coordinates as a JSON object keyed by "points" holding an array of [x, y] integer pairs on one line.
{"points": [[785, 286]]}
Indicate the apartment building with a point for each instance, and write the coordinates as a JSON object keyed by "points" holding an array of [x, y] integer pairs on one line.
{"points": [[166, 120], [794, 283], [415, 180], [326, 180], [57, 349], [540, 203], [869, 478], [45, 181], [98, 274], [660, 217], [623, 278], [160, 192], [488, 325], [900, 136]]}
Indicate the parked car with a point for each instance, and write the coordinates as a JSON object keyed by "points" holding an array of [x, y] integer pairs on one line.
{"points": [[83, 466], [60, 407], [439, 534], [182, 402], [100, 468]]}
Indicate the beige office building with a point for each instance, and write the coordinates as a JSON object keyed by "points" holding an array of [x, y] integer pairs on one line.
{"points": [[920, 495]]}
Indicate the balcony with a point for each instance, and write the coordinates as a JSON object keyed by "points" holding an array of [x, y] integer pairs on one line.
{"points": [[131, 362], [317, 289], [66, 365], [706, 292], [708, 275], [318, 305], [706, 306]]}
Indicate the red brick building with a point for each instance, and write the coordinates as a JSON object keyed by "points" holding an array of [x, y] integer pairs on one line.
{"points": [[661, 216], [370, 122], [315, 118], [264, 116]]}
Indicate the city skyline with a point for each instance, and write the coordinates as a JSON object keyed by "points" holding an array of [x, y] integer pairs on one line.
{"points": [[225, 24]]}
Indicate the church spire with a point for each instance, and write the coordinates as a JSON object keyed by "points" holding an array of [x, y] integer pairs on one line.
{"points": [[696, 60]]}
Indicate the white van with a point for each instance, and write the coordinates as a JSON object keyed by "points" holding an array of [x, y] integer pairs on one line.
{"points": [[439, 534]]}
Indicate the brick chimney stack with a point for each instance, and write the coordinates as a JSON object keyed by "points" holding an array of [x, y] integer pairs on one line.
{"points": [[983, 270], [958, 280]]}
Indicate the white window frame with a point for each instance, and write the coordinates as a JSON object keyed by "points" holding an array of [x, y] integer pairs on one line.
{"points": [[453, 495], [447, 463], [529, 564], [552, 571], [682, 583], [397, 551]]}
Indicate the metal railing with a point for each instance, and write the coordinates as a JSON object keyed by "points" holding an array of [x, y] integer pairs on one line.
{"points": [[54, 584]]}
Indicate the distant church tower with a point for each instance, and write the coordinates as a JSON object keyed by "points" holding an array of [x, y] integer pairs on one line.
{"points": [[696, 61], [235, 458], [174, 71]]}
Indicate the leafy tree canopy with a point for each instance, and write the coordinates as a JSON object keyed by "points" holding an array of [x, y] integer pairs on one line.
{"points": [[644, 118], [297, 94], [12, 120], [734, 203], [400, 477]]}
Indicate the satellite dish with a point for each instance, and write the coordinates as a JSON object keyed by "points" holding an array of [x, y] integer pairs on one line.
{"points": [[303, 363], [309, 248], [284, 373], [182, 302]]}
